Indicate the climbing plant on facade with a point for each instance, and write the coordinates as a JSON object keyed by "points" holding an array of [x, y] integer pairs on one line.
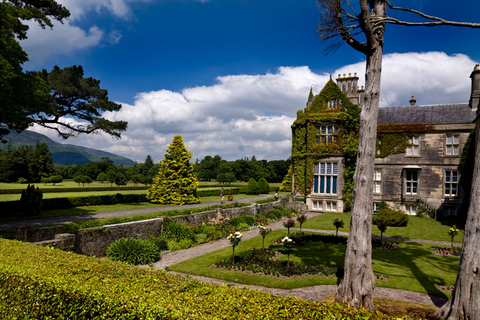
{"points": [[175, 182], [308, 148]]}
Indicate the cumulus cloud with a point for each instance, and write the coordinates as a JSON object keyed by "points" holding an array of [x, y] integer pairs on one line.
{"points": [[245, 115]]}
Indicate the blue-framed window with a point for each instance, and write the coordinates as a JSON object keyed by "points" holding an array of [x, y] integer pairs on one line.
{"points": [[325, 178]]}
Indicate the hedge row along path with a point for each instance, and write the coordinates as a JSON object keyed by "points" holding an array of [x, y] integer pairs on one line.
{"points": [[315, 293], [40, 222]]}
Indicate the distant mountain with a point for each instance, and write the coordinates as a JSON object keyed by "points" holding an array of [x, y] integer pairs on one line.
{"points": [[66, 154]]}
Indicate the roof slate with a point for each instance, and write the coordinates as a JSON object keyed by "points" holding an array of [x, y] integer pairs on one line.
{"points": [[433, 114]]}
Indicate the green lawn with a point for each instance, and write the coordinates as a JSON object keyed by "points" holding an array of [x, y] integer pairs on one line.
{"points": [[417, 228], [412, 267]]}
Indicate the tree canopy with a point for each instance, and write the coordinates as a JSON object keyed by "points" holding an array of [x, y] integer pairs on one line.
{"points": [[46, 98]]}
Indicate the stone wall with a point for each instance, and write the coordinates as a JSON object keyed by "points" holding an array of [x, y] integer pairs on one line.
{"points": [[94, 241]]}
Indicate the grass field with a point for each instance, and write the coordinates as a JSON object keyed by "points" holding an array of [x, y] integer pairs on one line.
{"points": [[412, 267], [417, 228]]}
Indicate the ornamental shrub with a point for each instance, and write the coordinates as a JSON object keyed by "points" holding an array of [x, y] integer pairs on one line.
{"points": [[263, 186], [249, 220], [252, 187], [243, 227], [31, 201], [133, 251], [178, 231], [390, 217]]}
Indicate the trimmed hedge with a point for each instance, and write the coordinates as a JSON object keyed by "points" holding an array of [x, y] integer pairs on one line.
{"points": [[74, 189], [41, 283]]}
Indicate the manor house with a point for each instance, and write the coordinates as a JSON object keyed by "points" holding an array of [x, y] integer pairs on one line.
{"points": [[418, 165]]}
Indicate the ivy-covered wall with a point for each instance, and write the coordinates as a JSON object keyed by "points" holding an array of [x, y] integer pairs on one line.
{"points": [[393, 138], [308, 149]]}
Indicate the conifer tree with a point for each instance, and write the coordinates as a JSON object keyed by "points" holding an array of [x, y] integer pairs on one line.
{"points": [[287, 181], [175, 182]]}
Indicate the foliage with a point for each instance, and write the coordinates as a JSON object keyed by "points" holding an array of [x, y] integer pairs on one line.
{"points": [[338, 223], [175, 182], [389, 217], [22, 93], [235, 238], [28, 162], [52, 179], [178, 231], [289, 224], [82, 179], [263, 187], [31, 201], [249, 220], [252, 187], [41, 283], [393, 138], [280, 212], [318, 237], [263, 232], [133, 251], [301, 219], [265, 262], [287, 181], [243, 226]]}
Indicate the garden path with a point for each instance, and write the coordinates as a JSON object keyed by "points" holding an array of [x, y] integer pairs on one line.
{"points": [[315, 293], [39, 222]]}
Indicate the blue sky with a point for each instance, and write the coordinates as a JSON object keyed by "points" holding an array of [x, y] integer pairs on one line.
{"points": [[229, 75]]}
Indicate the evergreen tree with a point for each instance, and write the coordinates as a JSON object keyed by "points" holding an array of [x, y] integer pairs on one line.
{"points": [[263, 186], [252, 186], [175, 182], [287, 181], [31, 201]]}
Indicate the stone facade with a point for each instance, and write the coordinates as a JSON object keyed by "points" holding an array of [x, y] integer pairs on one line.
{"points": [[422, 177]]}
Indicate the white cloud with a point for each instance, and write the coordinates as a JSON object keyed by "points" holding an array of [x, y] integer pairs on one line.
{"points": [[66, 38], [245, 115]]}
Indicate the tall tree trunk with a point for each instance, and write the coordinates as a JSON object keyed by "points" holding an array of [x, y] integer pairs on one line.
{"points": [[356, 288], [464, 301]]}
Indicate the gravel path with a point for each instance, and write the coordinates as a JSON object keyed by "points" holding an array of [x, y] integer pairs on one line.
{"points": [[314, 293]]}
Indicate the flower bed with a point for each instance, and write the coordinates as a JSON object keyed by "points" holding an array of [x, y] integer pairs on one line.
{"points": [[265, 262], [444, 251]]}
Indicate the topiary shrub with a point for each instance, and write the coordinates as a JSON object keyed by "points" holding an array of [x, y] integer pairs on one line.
{"points": [[133, 251], [390, 217], [252, 187], [178, 232], [263, 186], [31, 201]]}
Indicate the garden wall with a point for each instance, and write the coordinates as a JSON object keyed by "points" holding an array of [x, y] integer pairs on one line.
{"points": [[94, 241]]}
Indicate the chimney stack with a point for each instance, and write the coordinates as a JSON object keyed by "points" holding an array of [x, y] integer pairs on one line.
{"points": [[413, 101], [475, 93]]}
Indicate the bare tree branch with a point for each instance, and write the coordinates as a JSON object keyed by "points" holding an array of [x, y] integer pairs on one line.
{"points": [[437, 20]]}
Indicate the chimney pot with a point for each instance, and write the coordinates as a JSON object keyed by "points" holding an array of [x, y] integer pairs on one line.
{"points": [[413, 101]]}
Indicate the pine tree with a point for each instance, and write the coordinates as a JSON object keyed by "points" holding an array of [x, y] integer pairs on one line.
{"points": [[287, 181], [175, 182]]}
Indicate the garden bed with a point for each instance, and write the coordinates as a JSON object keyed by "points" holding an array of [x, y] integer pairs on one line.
{"points": [[444, 251]]}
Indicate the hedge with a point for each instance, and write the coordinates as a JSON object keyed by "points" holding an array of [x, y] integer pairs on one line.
{"points": [[74, 189], [41, 283]]}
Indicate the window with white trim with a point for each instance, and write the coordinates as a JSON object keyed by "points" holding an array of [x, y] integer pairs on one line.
{"points": [[377, 181], [331, 206], [452, 144], [325, 178], [376, 207], [451, 183], [413, 148], [411, 181], [327, 134], [411, 210]]}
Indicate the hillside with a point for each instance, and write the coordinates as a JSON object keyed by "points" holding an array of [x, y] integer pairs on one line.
{"points": [[66, 154]]}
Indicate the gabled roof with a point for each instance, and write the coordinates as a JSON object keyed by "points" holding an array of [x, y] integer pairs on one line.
{"points": [[434, 114]]}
